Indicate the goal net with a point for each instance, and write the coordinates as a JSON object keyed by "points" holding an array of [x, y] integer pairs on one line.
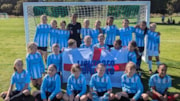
{"points": [[3, 15], [135, 11]]}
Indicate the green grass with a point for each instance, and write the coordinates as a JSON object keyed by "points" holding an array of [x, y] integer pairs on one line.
{"points": [[12, 40]]}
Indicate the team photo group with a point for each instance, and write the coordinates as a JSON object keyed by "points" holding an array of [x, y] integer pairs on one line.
{"points": [[96, 78]]}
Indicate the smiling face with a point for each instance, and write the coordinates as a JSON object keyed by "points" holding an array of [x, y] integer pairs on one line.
{"points": [[143, 25], [131, 47], [130, 69], [86, 23], [44, 19], [116, 45], [153, 27], [32, 48], [125, 23], [63, 25], [87, 40], [76, 70], [162, 70], [54, 24], [97, 24], [77, 73], [101, 38], [56, 49], [100, 70], [110, 21], [18, 65], [52, 70]]}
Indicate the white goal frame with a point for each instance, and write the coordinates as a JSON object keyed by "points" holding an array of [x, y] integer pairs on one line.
{"points": [[26, 4]]}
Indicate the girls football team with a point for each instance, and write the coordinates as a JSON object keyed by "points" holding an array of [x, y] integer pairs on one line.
{"points": [[100, 87]]}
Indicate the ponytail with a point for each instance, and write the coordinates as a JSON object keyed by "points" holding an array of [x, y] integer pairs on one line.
{"points": [[136, 49]]}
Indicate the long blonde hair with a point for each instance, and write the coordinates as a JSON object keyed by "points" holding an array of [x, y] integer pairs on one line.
{"points": [[30, 46], [16, 61], [130, 65]]}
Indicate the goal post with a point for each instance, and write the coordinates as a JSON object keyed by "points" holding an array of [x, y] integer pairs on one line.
{"points": [[135, 11], [3, 15]]}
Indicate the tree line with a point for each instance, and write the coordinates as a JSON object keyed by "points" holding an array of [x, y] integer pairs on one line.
{"points": [[15, 7]]}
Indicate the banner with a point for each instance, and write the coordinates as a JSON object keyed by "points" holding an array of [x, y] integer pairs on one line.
{"points": [[115, 62]]}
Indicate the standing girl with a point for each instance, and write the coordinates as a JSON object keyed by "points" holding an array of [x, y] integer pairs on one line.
{"points": [[132, 52], [101, 43], [34, 65], [87, 42], [63, 35], [139, 37], [110, 31], [41, 36], [126, 32], [55, 58], [153, 46], [86, 30], [53, 33], [96, 31]]}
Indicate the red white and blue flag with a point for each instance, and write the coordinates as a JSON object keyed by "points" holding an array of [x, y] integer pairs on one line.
{"points": [[115, 62]]}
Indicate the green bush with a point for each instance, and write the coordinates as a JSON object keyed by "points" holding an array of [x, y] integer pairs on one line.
{"points": [[7, 8]]}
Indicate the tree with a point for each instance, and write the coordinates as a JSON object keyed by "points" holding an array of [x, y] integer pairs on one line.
{"points": [[6, 8], [18, 9]]}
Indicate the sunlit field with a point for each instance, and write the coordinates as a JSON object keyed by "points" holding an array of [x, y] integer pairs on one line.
{"points": [[12, 38]]}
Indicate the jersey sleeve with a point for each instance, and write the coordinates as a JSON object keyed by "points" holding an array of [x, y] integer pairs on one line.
{"points": [[42, 64], [158, 39], [104, 30], [134, 58], [109, 85], [68, 32], [27, 78], [106, 47], [12, 79], [151, 82], [169, 82], [60, 63], [117, 31], [81, 31], [48, 61], [92, 82], [37, 31], [120, 34], [139, 89], [81, 46], [43, 87], [84, 88], [57, 88], [69, 84], [28, 65], [122, 80], [133, 29]]}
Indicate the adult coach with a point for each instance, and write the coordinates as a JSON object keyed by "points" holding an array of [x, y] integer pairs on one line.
{"points": [[74, 28]]}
